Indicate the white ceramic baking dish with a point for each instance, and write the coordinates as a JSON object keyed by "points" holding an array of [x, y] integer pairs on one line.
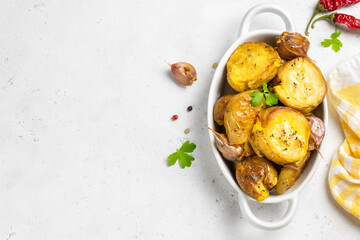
{"points": [[219, 87]]}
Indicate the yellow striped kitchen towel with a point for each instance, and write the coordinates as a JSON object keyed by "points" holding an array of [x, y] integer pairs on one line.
{"points": [[344, 173]]}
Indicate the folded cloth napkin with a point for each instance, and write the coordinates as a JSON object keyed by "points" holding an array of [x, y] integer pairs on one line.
{"points": [[344, 173]]}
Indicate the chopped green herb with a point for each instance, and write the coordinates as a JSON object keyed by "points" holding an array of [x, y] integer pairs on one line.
{"points": [[181, 155]]}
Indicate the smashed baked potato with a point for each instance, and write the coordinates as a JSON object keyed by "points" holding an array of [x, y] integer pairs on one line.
{"points": [[239, 119], [256, 176], [252, 64], [289, 173], [220, 107], [281, 134], [301, 85]]}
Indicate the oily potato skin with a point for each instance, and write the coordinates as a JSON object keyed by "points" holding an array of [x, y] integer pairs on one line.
{"points": [[289, 173], [220, 108], [252, 64], [302, 85], [281, 134], [256, 176], [239, 118]]}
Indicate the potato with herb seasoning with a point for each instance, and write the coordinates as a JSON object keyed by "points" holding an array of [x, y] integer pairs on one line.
{"points": [[239, 119], [220, 108], [301, 85], [281, 134], [256, 176], [289, 173], [251, 64]]}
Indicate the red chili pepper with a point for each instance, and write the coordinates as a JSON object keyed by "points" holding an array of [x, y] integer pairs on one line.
{"points": [[348, 20], [329, 6], [332, 5]]}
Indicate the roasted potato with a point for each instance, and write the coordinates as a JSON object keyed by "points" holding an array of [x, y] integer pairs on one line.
{"points": [[289, 173], [256, 176], [251, 64], [239, 119], [220, 107], [302, 85], [281, 134]]}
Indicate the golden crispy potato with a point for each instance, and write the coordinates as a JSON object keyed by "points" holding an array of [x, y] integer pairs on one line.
{"points": [[220, 107], [239, 118], [281, 134], [256, 176], [251, 64], [302, 85], [289, 173]]}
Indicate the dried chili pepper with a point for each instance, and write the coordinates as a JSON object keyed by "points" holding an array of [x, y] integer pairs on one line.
{"points": [[329, 6], [348, 20], [332, 5]]}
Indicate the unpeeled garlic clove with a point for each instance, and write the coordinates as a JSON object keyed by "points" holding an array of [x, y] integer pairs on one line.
{"points": [[317, 132], [229, 152], [183, 73], [292, 45]]}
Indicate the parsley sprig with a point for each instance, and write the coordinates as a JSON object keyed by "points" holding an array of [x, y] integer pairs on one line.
{"points": [[181, 155], [271, 99], [334, 41]]}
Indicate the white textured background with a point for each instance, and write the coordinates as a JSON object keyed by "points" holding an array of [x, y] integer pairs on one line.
{"points": [[85, 107]]}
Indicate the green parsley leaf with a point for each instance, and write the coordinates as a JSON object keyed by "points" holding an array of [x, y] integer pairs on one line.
{"points": [[335, 34], [188, 147], [173, 158], [265, 88], [334, 41], [181, 155], [271, 99], [326, 42], [257, 98], [185, 159]]}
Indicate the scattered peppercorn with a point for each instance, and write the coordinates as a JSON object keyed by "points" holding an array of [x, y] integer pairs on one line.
{"points": [[175, 117], [215, 65], [187, 131], [189, 108]]}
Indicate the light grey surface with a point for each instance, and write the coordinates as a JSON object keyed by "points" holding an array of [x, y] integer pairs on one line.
{"points": [[85, 105]]}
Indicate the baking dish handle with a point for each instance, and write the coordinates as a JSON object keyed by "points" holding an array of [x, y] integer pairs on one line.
{"points": [[265, 8], [267, 225]]}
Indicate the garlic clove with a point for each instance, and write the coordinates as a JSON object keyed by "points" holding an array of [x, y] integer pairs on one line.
{"points": [[292, 45], [229, 152], [317, 132], [183, 73]]}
